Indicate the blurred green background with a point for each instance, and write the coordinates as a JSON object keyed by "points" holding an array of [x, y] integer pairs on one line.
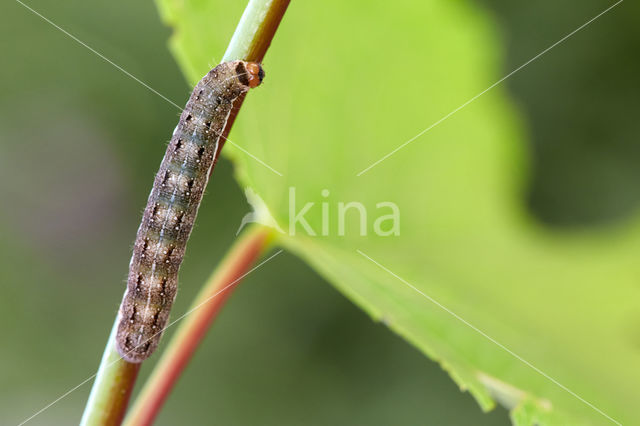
{"points": [[80, 145]]}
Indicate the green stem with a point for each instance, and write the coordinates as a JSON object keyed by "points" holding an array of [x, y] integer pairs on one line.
{"points": [[115, 379], [112, 388], [256, 29], [236, 265], [250, 42]]}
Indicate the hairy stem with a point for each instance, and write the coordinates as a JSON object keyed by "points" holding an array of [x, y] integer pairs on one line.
{"points": [[236, 265]]}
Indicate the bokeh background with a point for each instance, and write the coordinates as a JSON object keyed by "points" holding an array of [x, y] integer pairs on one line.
{"points": [[81, 141]]}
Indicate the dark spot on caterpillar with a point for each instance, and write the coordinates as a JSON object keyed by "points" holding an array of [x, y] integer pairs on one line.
{"points": [[169, 215], [139, 283], [145, 246], [179, 218], [163, 292], [241, 72], [168, 253]]}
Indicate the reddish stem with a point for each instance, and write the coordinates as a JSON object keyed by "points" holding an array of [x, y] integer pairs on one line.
{"points": [[196, 323]]}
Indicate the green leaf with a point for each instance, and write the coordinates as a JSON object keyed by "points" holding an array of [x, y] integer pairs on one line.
{"points": [[520, 311]]}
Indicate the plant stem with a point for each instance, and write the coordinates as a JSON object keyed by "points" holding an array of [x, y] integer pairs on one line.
{"points": [[115, 378], [256, 29], [112, 388], [250, 42], [238, 262]]}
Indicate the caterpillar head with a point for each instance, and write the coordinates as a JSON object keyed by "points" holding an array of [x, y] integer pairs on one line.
{"points": [[249, 73]]}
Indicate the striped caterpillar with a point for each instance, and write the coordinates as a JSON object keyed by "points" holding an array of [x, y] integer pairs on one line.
{"points": [[172, 207]]}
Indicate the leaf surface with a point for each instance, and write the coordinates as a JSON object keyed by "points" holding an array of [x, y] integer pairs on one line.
{"points": [[513, 311]]}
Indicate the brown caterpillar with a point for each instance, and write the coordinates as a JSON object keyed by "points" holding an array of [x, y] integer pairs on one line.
{"points": [[172, 207]]}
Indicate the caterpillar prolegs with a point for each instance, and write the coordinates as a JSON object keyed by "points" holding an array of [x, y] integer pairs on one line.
{"points": [[172, 207]]}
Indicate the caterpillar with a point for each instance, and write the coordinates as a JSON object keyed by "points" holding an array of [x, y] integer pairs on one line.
{"points": [[172, 207]]}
